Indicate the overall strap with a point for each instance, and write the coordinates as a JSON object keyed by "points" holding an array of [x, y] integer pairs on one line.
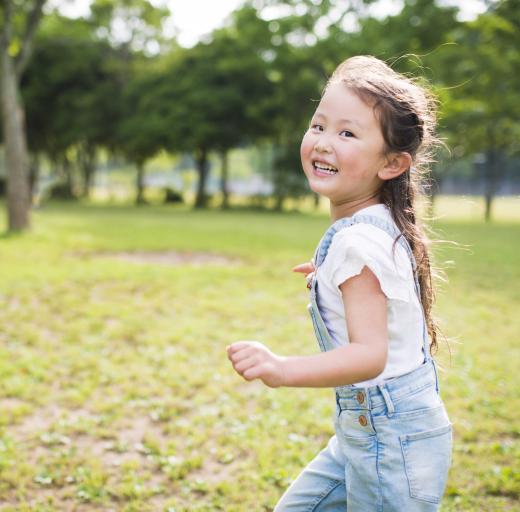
{"points": [[325, 242]]}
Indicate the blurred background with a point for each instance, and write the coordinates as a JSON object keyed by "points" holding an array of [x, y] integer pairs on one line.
{"points": [[152, 148], [206, 102]]}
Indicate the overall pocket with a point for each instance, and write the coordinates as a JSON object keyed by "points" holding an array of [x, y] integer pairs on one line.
{"points": [[427, 459]]}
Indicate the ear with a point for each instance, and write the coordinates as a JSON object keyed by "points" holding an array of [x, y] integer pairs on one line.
{"points": [[396, 164]]}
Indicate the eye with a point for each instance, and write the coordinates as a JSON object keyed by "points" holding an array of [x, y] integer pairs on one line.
{"points": [[346, 133], [315, 127]]}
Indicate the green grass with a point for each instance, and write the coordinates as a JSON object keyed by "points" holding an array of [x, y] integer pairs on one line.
{"points": [[115, 392]]}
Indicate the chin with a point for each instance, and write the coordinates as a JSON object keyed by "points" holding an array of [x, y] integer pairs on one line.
{"points": [[315, 187], [319, 189]]}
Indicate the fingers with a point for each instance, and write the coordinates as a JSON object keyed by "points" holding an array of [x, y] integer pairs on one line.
{"points": [[252, 373], [239, 353], [239, 346], [304, 268], [245, 364], [247, 358]]}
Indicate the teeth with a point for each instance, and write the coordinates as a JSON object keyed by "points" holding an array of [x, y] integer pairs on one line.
{"points": [[325, 168]]}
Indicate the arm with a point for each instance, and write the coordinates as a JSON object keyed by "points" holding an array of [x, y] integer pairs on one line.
{"points": [[364, 358]]}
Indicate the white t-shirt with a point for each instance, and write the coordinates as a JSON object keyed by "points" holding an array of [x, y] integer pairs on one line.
{"points": [[352, 249]]}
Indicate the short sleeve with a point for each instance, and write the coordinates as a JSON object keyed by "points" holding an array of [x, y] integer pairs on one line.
{"points": [[362, 245]]}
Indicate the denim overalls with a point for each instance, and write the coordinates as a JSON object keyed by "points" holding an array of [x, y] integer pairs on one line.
{"points": [[392, 448]]}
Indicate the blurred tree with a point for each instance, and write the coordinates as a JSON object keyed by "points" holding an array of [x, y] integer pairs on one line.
{"points": [[418, 30], [217, 94], [84, 65], [72, 92], [414, 41], [136, 29], [481, 107], [143, 128], [19, 20], [298, 80], [249, 116], [300, 62], [299, 90], [131, 25]]}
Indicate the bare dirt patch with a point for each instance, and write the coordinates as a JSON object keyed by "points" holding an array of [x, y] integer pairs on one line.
{"points": [[168, 258], [51, 429], [39, 421], [11, 403]]}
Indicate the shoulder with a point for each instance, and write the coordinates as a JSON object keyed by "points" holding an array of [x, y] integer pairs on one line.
{"points": [[374, 228], [362, 233], [370, 240], [364, 245]]}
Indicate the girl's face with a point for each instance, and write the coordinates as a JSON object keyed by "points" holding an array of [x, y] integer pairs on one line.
{"points": [[342, 152]]}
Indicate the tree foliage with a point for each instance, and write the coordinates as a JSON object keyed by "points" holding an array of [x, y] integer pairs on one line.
{"points": [[71, 91], [217, 95], [481, 79]]}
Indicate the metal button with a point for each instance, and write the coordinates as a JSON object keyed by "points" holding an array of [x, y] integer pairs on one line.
{"points": [[363, 421], [360, 397]]}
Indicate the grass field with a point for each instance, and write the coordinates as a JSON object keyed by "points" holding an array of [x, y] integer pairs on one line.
{"points": [[115, 391]]}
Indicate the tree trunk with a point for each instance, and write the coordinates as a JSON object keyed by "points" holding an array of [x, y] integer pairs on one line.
{"points": [[201, 159], [492, 178], [66, 169], [34, 176], [140, 200], [280, 199], [88, 179], [435, 186], [224, 180], [87, 164], [17, 158]]}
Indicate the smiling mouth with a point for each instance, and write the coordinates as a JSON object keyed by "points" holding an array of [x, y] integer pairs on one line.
{"points": [[322, 168]]}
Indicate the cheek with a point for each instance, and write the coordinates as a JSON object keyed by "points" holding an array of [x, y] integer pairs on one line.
{"points": [[353, 157], [306, 146]]}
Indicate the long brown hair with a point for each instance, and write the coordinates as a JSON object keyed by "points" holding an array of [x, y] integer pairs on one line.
{"points": [[406, 111]]}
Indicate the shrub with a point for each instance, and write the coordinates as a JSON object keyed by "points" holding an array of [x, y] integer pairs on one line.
{"points": [[172, 196], [61, 191]]}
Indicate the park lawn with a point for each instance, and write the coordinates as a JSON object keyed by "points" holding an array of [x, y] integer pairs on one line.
{"points": [[116, 394]]}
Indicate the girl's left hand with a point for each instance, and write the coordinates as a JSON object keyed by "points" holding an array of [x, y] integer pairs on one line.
{"points": [[253, 360], [308, 270], [305, 268]]}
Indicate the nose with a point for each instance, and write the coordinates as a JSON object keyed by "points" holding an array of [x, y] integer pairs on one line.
{"points": [[322, 145]]}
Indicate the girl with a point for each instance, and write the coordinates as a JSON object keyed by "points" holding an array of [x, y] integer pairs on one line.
{"points": [[370, 303]]}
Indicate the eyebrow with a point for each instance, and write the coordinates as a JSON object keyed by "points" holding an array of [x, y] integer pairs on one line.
{"points": [[341, 121]]}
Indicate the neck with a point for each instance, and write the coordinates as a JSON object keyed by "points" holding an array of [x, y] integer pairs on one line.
{"points": [[349, 208]]}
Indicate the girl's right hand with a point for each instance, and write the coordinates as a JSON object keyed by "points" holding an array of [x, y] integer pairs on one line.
{"points": [[253, 360]]}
